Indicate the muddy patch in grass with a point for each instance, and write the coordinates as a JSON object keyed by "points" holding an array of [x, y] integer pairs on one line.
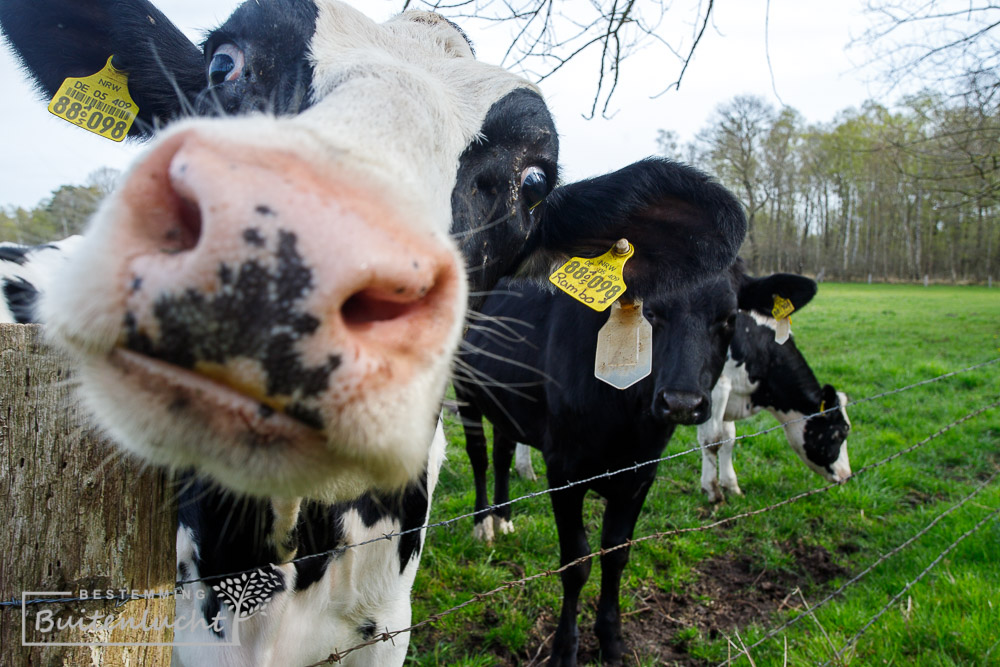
{"points": [[730, 592]]}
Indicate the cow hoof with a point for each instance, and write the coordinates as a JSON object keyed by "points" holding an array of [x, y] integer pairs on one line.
{"points": [[483, 531], [714, 494], [734, 489], [503, 526]]}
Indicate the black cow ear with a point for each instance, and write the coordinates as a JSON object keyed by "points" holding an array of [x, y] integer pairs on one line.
{"points": [[758, 294], [830, 397], [57, 39], [682, 223]]}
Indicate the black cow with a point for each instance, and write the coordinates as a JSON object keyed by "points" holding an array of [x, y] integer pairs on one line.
{"points": [[763, 374], [532, 376], [274, 295]]}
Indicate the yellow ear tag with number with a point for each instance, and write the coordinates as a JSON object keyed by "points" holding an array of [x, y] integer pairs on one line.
{"points": [[597, 281], [99, 103], [624, 346], [782, 311]]}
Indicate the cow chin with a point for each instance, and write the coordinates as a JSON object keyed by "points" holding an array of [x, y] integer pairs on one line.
{"points": [[175, 418]]}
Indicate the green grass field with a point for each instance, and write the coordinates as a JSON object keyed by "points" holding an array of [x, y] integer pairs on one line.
{"points": [[687, 597]]}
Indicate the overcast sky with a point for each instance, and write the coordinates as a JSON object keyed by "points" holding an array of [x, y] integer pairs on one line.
{"points": [[813, 72]]}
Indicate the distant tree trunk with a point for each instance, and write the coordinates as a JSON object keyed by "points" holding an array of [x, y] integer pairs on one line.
{"points": [[77, 517]]}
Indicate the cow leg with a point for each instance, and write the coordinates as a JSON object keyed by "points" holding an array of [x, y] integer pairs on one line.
{"points": [[715, 430], [522, 462], [727, 474], [568, 509], [503, 452], [475, 447], [620, 516]]}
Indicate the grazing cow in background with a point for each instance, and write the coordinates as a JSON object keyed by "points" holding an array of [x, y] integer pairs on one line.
{"points": [[273, 297], [534, 380], [762, 374]]}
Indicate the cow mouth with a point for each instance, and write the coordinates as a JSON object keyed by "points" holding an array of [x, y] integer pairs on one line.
{"points": [[184, 392]]}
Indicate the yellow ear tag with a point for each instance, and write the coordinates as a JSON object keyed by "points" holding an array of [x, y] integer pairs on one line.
{"points": [[624, 346], [781, 311], [98, 103], [782, 308], [597, 281]]}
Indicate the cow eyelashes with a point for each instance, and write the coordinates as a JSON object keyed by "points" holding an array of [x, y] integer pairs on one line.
{"points": [[226, 64], [534, 186]]}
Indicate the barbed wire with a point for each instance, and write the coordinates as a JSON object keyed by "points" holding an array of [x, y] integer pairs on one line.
{"points": [[605, 475], [850, 642], [863, 573], [338, 656], [338, 551]]}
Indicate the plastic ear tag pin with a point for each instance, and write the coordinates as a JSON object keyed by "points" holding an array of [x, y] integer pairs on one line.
{"points": [[624, 346], [595, 282], [782, 311], [99, 103]]}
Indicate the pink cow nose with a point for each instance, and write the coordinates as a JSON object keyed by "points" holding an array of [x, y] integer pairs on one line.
{"points": [[298, 289]]}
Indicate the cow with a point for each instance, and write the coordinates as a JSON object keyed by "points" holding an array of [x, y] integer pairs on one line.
{"points": [[760, 373], [271, 301], [532, 374], [763, 374], [25, 271]]}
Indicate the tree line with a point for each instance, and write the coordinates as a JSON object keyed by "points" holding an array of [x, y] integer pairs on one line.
{"points": [[62, 214], [902, 194]]}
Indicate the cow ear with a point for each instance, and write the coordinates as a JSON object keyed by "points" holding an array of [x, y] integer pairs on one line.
{"points": [[57, 39], [831, 398], [758, 294], [682, 224]]}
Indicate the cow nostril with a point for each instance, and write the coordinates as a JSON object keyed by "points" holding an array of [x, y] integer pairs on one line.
{"points": [[373, 305], [185, 233]]}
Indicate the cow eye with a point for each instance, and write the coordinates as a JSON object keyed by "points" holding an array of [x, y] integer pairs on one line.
{"points": [[534, 186], [226, 64]]}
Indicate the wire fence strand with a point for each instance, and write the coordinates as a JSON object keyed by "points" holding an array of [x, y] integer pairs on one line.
{"points": [[863, 573], [910, 584], [606, 475], [338, 551], [339, 656]]}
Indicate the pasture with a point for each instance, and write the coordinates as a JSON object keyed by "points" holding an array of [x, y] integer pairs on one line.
{"points": [[686, 597]]}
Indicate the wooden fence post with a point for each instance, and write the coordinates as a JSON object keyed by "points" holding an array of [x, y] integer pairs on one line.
{"points": [[76, 517]]}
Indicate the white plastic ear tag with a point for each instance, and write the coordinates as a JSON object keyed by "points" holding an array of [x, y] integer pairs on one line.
{"points": [[595, 281], [783, 330], [99, 103], [782, 312], [624, 346]]}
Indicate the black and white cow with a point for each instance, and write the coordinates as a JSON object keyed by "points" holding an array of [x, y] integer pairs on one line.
{"points": [[25, 271], [536, 384], [272, 299], [763, 374]]}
